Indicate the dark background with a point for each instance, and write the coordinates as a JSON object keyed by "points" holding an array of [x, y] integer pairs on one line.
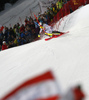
{"points": [[2, 3]]}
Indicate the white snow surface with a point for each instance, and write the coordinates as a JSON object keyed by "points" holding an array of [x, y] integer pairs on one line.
{"points": [[8, 6], [67, 56]]}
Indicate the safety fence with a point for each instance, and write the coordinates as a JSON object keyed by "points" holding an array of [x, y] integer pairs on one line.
{"points": [[67, 8]]}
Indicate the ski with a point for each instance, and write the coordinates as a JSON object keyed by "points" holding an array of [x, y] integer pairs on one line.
{"points": [[55, 36]]}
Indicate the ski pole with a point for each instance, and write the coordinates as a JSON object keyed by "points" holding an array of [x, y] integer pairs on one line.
{"points": [[39, 23]]}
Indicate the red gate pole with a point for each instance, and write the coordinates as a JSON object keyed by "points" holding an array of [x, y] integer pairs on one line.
{"points": [[39, 23]]}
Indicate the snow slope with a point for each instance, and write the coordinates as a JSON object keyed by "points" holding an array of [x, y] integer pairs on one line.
{"points": [[67, 56]]}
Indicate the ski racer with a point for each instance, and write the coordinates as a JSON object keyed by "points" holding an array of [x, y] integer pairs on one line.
{"points": [[48, 30]]}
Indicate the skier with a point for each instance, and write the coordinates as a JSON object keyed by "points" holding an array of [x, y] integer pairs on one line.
{"points": [[47, 29]]}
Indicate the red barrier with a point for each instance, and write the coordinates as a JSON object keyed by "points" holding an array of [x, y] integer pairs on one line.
{"points": [[61, 12], [72, 5], [83, 2], [58, 15], [67, 8], [87, 1], [54, 19]]}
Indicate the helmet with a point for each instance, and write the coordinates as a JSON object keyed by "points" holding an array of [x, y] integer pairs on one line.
{"points": [[40, 23]]}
